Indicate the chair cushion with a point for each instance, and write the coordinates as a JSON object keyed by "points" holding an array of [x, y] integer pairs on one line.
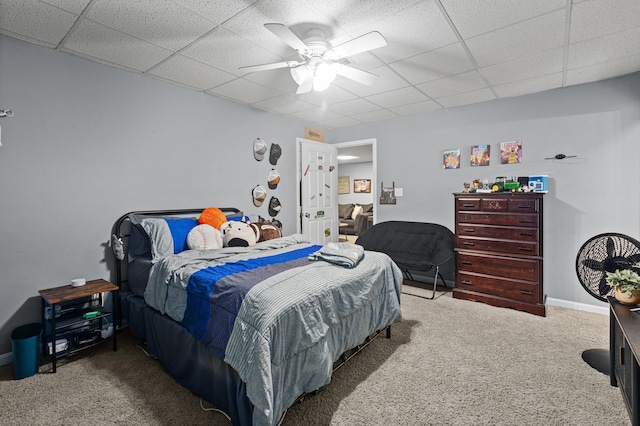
{"points": [[345, 210]]}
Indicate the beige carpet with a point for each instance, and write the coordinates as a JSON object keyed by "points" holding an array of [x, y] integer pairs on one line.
{"points": [[449, 362]]}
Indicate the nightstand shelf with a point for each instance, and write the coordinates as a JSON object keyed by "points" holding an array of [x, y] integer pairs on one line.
{"points": [[74, 318]]}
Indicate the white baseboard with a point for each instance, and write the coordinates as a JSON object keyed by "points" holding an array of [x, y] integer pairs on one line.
{"points": [[603, 310], [6, 358]]}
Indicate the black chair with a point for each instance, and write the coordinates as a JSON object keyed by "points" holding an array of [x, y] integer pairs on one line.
{"points": [[414, 246]]}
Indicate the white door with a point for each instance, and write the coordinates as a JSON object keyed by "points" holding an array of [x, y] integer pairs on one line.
{"points": [[318, 195]]}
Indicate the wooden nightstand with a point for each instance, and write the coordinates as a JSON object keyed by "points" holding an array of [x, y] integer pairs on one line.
{"points": [[73, 318]]}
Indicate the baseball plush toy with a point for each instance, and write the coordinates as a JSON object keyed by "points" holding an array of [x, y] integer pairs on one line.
{"points": [[204, 237], [238, 234]]}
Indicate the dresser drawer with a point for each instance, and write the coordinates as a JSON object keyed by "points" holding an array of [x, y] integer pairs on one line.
{"points": [[467, 204], [516, 290], [494, 204], [522, 205], [529, 220], [499, 266], [500, 232], [529, 248]]}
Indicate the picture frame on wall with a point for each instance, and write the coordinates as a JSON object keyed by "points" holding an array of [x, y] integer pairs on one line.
{"points": [[451, 159], [361, 186], [343, 185]]}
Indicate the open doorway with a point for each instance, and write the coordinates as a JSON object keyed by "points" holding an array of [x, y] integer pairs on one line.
{"points": [[357, 166]]}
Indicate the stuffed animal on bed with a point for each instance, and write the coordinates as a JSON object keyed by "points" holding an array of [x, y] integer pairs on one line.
{"points": [[238, 234], [205, 237], [212, 216], [265, 231]]}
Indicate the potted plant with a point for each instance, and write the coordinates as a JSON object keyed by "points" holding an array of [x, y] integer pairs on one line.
{"points": [[627, 285]]}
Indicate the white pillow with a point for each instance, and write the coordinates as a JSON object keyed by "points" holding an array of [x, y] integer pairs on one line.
{"points": [[356, 211], [204, 237]]}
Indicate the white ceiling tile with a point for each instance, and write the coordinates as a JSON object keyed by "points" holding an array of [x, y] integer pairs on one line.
{"points": [[597, 18], [397, 97], [439, 63], [460, 83], [532, 85], [161, 22], [417, 108], [73, 6], [475, 17], [285, 104], [607, 48], [533, 36], [387, 80], [354, 106], [244, 91], [603, 70], [96, 40], [228, 51], [35, 20], [378, 115], [544, 63], [217, 11], [191, 73], [278, 79], [316, 115], [467, 98], [340, 122], [416, 29]]}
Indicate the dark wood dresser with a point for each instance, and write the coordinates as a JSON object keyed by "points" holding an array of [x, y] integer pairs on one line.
{"points": [[499, 250]]}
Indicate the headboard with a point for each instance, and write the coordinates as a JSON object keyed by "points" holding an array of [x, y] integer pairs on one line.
{"points": [[122, 230]]}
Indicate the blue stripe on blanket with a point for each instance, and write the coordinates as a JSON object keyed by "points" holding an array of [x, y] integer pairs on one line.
{"points": [[215, 294]]}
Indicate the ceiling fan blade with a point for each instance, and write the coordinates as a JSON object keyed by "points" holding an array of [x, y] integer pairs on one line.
{"points": [[369, 41], [265, 67], [305, 86], [355, 74], [287, 36]]}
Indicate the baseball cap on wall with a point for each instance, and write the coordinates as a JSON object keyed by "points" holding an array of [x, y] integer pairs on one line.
{"points": [[259, 194], [275, 153], [259, 149], [273, 179], [274, 206]]}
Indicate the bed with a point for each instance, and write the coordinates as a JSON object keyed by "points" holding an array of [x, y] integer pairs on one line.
{"points": [[249, 329]]}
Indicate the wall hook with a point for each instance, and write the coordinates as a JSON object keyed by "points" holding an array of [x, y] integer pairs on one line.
{"points": [[6, 113]]}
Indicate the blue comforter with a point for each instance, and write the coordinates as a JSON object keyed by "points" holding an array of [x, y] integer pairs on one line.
{"points": [[277, 317]]}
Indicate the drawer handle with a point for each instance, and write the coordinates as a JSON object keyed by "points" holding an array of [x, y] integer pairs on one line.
{"points": [[469, 230], [526, 234], [466, 262], [527, 292], [467, 243], [524, 220], [621, 355], [524, 248], [468, 205], [524, 206], [466, 282]]}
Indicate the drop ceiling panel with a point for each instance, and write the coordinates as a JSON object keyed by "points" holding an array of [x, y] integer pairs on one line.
{"points": [[334, 94], [378, 115], [169, 25], [516, 41], [192, 73], [610, 47], [417, 108], [597, 18], [340, 122], [439, 63], [316, 115], [285, 104], [397, 97], [217, 11], [460, 83], [34, 20], [228, 51], [98, 41], [73, 6], [387, 80], [467, 98], [603, 70], [244, 91], [543, 63], [353, 107], [278, 79], [532, 85], [473, 18]]}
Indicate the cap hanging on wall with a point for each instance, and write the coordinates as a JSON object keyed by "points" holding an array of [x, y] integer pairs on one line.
{"points": [[275, 153], [259, 149]]}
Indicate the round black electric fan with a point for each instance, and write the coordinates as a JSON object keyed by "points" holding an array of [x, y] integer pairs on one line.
{"points": [[605, 253], [599, 255]]}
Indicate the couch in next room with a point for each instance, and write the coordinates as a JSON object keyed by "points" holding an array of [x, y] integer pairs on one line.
{"points": [[356, 217]]}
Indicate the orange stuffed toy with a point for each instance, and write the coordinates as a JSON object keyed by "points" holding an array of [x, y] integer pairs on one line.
{"points": [[212, 216]]}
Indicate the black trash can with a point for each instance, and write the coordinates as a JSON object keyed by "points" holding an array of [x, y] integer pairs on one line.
{"points": [[25, 343]]}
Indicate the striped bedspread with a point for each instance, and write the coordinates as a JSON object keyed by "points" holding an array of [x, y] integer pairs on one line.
{"points": [[277, 317]]}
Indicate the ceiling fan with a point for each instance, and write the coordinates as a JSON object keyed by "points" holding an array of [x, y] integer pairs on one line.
{"points": [[320, 62], [560, 157]]}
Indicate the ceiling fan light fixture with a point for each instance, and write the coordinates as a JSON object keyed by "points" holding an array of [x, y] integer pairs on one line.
{"points": [[323, 76], [301, 73]]}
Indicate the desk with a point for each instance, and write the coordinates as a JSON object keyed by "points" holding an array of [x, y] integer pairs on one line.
{"points": [[624, 340]]}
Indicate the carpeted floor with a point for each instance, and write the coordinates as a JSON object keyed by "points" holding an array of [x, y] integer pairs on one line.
{"points": [[448, 362]]}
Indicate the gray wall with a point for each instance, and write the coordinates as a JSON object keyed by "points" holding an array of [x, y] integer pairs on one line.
{"points": [[356, 171], [89, 143], [596, 193]]}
